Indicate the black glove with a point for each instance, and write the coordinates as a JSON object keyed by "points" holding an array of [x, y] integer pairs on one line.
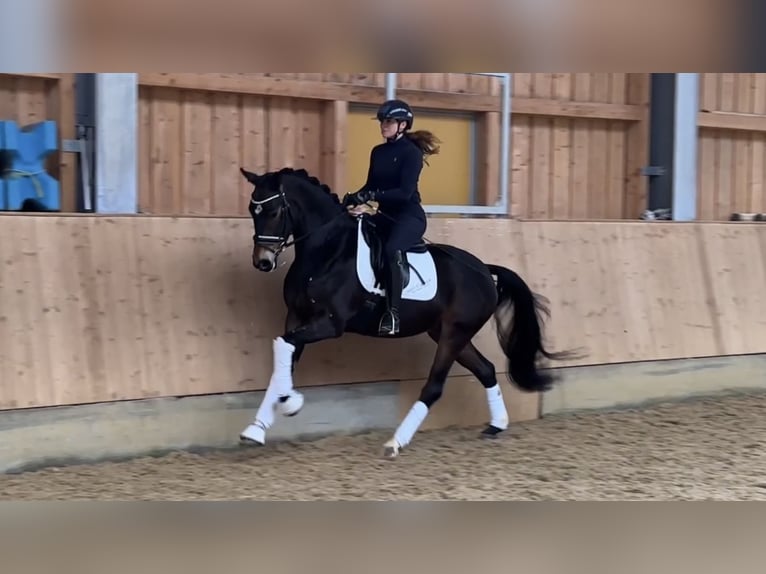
{"points": [[359, 197]]}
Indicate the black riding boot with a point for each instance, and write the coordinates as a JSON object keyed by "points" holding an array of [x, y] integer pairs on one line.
{"points": [[389, 323]]}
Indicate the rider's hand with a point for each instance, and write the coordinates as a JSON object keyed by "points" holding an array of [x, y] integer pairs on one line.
{"points": [[359, 197]]}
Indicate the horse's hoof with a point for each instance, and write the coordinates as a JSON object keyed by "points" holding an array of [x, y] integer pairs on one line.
{"points": [[253, 435], [390, 450], [491, 432]]}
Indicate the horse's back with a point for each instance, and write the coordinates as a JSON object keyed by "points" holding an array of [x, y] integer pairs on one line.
{"points": [[445, 254]]}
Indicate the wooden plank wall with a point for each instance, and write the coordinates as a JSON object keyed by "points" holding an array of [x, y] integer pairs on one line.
{"points": [[581, 166], [578, 141], [732, 145], [109, 308], [32, 98]]}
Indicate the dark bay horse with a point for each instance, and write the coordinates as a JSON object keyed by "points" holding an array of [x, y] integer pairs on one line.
{"points": [[450, 294]]}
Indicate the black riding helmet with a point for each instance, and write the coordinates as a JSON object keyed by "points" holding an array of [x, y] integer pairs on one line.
{"points": [[396, 110]]}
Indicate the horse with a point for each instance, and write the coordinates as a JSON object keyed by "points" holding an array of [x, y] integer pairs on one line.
{"points": [[331, 289]]}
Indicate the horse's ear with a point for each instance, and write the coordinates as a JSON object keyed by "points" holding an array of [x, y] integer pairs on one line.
{"points": [[250, 176]]}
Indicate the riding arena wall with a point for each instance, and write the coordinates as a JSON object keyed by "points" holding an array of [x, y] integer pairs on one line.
{"points": [[121, 335]]}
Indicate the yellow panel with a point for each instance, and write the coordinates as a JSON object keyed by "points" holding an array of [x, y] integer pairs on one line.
{"points": [[447, 178]]}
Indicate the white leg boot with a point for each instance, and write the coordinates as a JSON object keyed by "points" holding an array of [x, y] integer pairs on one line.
{"points": [[280, 385], [498, 415], [406, 430]]}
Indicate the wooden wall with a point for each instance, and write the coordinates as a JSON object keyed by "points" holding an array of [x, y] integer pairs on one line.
{"points": [[108, 308], [583, 161], [732, 145], [32, 98], [579, 140]]}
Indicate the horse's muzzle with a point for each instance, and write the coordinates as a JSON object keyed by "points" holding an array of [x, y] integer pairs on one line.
{"points": [[264, 259], [264, 265]]}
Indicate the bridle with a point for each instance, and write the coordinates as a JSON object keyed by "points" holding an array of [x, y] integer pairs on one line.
{"points": [[281, 240]]}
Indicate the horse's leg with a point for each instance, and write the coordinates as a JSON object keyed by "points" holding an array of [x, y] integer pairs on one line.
{"points": [[290, 404], [278, 394], [280, 390], [449, 347], [482, 368]]}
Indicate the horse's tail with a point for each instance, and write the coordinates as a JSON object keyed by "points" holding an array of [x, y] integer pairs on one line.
{"points": [[519, 331]]}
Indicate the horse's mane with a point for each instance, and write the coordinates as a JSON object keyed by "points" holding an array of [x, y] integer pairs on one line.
{"points": [[275, 177]]}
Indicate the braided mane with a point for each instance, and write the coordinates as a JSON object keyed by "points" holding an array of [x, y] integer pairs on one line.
{"points": [[274, 178]]}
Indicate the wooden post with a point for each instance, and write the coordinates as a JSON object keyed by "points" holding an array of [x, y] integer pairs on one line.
{"points": [[333, 153], [636, 184]]}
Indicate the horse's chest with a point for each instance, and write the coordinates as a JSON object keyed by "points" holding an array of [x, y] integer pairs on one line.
{"points": [[313, 292]]}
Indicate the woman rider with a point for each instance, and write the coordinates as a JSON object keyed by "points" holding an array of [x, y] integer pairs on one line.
{"points": [[392, 182]]}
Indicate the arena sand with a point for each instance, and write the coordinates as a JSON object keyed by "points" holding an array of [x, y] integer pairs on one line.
{"points": [[709, 449]]}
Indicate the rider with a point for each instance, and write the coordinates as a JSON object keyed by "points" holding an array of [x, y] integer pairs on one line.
{"points": [[392, 182]]}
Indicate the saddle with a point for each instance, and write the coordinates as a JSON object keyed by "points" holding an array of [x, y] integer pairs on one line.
{"points": [[377, 255]]}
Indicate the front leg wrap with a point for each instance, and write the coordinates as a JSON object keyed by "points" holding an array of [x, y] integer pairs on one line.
{"points": [[279, 394]]}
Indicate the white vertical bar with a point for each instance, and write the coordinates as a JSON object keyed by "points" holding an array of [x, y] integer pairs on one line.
{"points": [[685, 147], [505, 142], [116, 143], [390, 86]]}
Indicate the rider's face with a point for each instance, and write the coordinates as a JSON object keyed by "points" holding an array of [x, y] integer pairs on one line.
{"points": [[389, 128]]}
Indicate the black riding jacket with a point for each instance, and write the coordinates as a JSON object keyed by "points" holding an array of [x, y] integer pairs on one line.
{"points": [[393, 173]]}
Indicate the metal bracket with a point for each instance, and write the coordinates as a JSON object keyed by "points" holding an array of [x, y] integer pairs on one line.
{"points": [[653, 170], [80, 146], [71, 146]]}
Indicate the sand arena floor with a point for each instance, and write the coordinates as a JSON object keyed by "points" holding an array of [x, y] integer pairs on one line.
{"points": [[695, 450]]}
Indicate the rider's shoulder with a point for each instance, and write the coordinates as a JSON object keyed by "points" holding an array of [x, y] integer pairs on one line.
{"points": [[411, 148]]}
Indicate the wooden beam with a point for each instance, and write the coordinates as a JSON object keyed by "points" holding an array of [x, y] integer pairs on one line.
{"points": [[333, 152], [63, 107], [279, 87], [732, 121], [581, 110], [39, 76], [488, 157], [637, 147], [268, 86]]}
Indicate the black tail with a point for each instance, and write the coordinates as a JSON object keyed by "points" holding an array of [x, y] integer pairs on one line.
{"points": [[519, 331]]}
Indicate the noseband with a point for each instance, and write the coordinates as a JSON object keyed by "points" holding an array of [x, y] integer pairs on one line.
{"points": [[279, 240]]}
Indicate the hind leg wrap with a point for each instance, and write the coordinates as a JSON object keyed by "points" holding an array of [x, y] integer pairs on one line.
{"points": [[497, 412]]}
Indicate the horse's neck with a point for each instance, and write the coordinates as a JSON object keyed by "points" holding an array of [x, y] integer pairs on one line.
{"points": [[315, 213], [323, 234]]}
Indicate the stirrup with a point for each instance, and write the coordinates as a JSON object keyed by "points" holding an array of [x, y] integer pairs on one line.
{"points": [[389, 324]]}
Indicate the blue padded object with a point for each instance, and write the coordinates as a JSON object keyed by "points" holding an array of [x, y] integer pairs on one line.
{"points": [[27, 179]]}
